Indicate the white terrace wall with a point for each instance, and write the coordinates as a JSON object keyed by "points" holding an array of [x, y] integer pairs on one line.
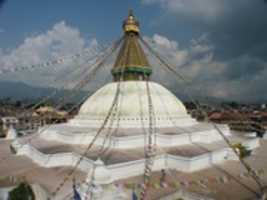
{"points": [[134, 168], [136, 141]]}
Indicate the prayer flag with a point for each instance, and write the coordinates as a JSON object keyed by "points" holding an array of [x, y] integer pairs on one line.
{"points": [[134, 196], [76, 195]]}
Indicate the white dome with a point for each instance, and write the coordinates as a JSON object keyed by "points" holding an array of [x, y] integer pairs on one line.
{"points": [[132, 104]]}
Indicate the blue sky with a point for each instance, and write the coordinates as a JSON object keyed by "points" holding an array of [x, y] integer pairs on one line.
{"points": [[220, 45], [101, 19]]}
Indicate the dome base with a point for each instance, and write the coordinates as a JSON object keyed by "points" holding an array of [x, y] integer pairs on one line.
{"points": [[132, 108]]}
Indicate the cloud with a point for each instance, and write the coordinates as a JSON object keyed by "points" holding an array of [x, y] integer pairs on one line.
{"points": [[241, 79], [230, 62], [210, 75], [61, 41], [206, 9], [233, 26], [199, 52]]}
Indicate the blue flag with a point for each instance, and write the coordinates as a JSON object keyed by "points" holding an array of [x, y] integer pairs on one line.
{"points": [[76, 195], [134, 196]]}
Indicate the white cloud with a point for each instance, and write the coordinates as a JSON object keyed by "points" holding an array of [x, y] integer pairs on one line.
{"points": [[235, 79], [62, 41], [164, 42], [199, 54], [211, 77], [206, 9], [169, 49]]}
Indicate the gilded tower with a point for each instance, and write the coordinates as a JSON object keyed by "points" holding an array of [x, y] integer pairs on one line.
{"points": [[131, 60]]}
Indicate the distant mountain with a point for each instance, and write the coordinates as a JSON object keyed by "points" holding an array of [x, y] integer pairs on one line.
{"points": [[197, 98], [20, 90]]}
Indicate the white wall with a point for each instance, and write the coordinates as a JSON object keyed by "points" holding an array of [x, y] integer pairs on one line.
{"points": [[134, 168], [136, 141]]}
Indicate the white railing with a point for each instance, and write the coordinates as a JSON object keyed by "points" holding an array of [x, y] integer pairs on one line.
{"points": [[132, 168], [55, 160], [136, 141]]}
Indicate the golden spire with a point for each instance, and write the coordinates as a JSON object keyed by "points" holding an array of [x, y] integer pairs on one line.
{"points": [[131, 60], [131, 24]]}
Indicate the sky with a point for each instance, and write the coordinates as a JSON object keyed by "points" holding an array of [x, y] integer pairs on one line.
{"points": [[219, 45]]}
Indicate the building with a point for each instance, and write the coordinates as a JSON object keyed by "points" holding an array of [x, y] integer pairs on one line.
{"points": [[28, 121], [7, 122]]}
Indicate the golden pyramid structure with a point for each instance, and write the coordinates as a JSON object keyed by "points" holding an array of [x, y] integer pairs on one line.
{"points": [[131, 59]]}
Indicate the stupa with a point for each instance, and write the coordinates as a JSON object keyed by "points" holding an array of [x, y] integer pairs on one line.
{"points": [[181, 142]]}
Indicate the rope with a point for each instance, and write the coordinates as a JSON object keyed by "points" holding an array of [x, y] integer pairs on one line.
{"points": [[45, 64], [186, 131], [54, 93], [163, 61], [149, 151], [178, 77], [90, 144], [82, 83], [109, 134], [46, 98], [115, 46], [88, 148], [43, 100], [95, 67], [102, 127], [90, 185]]}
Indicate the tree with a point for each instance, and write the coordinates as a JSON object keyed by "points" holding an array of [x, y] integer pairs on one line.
{"points": [[22, 192]]}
